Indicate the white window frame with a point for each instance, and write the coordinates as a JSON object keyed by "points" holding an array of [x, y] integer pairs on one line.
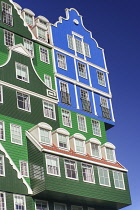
{"points": [[1, 92], [77, 50], [92, 172], [31, 16], [53, 118], [66, 83], [47, 53], [85, 71], [3, 126], [50, 136], [4, 197], [25, 168], [41, 201], [63, 61], [8, 13], [22, 196], [107, 174], [27, 72], [63, 204], [103, 98], [87, 55], [3, 165], [84, 147], [85, 91], [76, 171], [69, 113], [98, 128], [41, 38], [103, 83], [53, 156], [20, 129], [85, 124], [31, 44], [50, 82], [113, 153], [29, 104], [72, 43], [13, 40], [119, 172], [67, 141], [99, 150]]}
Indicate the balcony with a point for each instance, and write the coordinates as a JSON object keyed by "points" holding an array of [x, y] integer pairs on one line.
{"points": [[7, 19], [105, 113], [65, 98], [86, 105]]}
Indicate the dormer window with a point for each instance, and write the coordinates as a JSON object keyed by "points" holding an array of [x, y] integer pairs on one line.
{"points": [[77, 143], [108, 151], [60, 138], [28, 16], [93, 148], [42, 133], [42, 34]]}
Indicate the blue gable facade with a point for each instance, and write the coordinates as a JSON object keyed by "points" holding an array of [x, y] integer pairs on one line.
{"points": [[80, 69]]}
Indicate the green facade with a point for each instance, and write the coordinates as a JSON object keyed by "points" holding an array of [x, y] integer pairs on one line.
{"points": [[48, 187]]}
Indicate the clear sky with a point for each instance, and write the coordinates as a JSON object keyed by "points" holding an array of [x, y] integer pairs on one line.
{"points": [[115, 25]]}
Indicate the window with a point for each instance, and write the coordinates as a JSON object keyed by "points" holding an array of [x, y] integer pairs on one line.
{"points": [[66, 118], [104, 107], [29, 19], [101, 78], [70, 42], [87, 51], [61, 61], [24, 168], [42, 34], [19, 202], [41, 205], [80, 145], [7, 17], [23, 101], [118, 180], [29, 46], [16, 134], [104, 176], [49, 110], [22, 72], [2, 166], [82, 70], [95, 150], [85, 100], [81, 123], [110, 154], [8, 38], [65, 96], [44, 55], [48, 81], [63, 139], [76, 208], [59, 206], [78, 44], [96, 128], [1, 94], [2, 132], [88, 173], [2, 201], [70, 169], [52, 165], [45, 136]]}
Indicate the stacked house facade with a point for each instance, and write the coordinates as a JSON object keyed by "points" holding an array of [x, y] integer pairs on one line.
{"points": [[55, 109]]}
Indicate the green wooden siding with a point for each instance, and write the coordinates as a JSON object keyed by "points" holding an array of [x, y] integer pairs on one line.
{"points": [[74, 129]]}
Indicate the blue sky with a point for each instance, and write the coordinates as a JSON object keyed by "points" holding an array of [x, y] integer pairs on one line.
{"points": [[115, 24]]}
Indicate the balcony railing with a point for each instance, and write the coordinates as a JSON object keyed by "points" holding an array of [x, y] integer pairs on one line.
{"points": [[105, 113], [65, 98], [7, 19], [86, 105]]}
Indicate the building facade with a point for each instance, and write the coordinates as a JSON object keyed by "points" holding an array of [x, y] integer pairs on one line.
{"points": [[55, 109]]}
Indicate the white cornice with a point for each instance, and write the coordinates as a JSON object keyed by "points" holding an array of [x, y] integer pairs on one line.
{"points": [[40, 148], [83, 85], [15, 168], [27, 92]]}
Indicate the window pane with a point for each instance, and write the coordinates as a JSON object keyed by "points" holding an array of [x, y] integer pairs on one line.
{"points": [[70, 42], [19, 202], [82, 70], [45, 136], [87, 171], [2, 201], [49, 110], [22, 72], [1, 165], [9, 38], [52, 165], [48, 81], [66, 118], [70, 167], [41, 205], [79, 46], [118, 180], [61, 61], [82, 123], [104, 176], [95, 150], [101, 79], [96, 128], [29, 46], [29, 19], [16, 136], [44, 55], [79, 145], [87, 51], [62, 140], [110, 154], [1, 130]]}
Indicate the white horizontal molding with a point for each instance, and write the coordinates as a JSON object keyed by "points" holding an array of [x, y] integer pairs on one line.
{"points": [[83, 85], [17, 88], [80, 59]]}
